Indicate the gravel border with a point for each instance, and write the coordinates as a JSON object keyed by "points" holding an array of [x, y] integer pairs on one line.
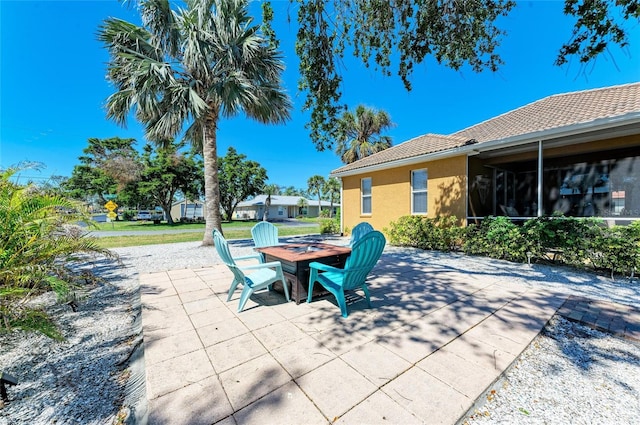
{"points": [[81, 379], [569, 374]]}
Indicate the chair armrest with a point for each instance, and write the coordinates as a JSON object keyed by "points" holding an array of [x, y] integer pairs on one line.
{"points": [[324, 267], [275, 264]]}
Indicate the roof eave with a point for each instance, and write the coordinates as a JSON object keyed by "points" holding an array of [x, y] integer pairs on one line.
{"points": [[474, 149]]}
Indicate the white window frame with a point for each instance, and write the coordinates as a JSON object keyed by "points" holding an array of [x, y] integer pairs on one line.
{"points": [[415, 191], [364, 196]]}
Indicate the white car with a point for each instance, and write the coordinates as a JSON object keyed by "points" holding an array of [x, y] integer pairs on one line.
{"points": [[144, 215]]}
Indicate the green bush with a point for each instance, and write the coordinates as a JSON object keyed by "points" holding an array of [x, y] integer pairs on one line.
{"points": [[40, 249], [577, 242], [329, 226], [616, 249], [128, 215], [440, 233], [497, 237], [570, 237]]}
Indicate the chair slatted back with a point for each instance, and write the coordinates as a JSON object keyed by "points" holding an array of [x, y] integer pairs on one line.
{"points": [[365, 253], [222, 247], [359, 231], [264, 234]]}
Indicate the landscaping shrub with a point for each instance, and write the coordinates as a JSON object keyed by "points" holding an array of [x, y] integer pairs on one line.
{"points": [[577, 242], [439, 233], [40, 249], [329, 226], [128, 215], [616, 249], [567, 237], [496, 237]]}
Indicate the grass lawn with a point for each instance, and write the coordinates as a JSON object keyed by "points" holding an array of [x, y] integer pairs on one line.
{"points": [[149, 225], [234, 230]]}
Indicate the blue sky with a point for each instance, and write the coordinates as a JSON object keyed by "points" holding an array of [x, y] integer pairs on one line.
{"points": [[53, 87]]}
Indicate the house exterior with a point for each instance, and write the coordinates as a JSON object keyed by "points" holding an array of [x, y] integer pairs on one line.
{"points": [[282, 207], [575, 153], [187, 210]]}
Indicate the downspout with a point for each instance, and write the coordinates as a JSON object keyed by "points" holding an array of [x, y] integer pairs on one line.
{"points": [[466, 197], [341, 207], [540, 168]]}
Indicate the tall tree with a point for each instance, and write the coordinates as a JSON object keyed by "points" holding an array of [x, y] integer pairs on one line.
{"points": [[106, 167], [302, 204], [403, 34], [292, 191], [193, 66], [269, 190], [316, 184], [358, 133], [332, 191], [239, 179], [166, 171]]}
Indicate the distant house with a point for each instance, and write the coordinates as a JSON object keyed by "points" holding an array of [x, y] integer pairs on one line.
{"points": [[282, 207], [187, 211], [575, 153]]}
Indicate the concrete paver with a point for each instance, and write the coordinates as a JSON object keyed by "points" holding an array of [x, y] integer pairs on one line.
{"points": [[435, 340], [335, 387], [379, 408], [284, 405]]}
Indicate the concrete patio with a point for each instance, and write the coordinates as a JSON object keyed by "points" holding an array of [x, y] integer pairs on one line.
{"points": [[435, 340]]}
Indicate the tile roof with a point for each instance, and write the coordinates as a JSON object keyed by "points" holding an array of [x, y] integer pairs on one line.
{"points": [[281, 200], [427, 143], [553, 112], [558, 111]]}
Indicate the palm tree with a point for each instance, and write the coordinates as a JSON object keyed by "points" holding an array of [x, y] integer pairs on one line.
{"points": [[332, 191], [359, 134], [193, 66], [302, 204], [270, 189], [315, 184]]}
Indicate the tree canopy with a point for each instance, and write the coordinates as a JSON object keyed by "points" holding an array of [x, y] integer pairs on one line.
{"points": [[239, 178], [395, 36], [106, 167], [188, 67], [166, 171], [358, 133], [316, 186]]}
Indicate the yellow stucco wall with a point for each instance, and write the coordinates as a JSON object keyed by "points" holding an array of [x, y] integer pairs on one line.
{"points": [[391, 193]]}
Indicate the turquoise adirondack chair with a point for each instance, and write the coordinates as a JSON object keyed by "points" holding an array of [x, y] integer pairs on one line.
{"points": [[359, 231], [263, 274], [264, 234], [364, 255]]}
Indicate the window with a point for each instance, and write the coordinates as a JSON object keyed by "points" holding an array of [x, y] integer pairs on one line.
{"points": [[365, 190], [419, 192]]}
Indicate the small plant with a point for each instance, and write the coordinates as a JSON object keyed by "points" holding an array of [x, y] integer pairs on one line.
{"points": [[40, 249], [329, 226]]}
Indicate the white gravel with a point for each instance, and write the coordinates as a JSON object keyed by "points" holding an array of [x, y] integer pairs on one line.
{"points": [[570, 374]]}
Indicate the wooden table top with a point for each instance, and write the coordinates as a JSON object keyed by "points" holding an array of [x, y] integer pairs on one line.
{"points": [[304, 251]]}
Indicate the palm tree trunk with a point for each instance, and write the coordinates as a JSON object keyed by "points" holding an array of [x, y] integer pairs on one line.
{"points": [[267, 205], [211, 183]]}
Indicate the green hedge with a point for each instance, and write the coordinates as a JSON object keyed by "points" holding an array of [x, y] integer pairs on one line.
{"points": [[440, 233], [577, 242]]}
